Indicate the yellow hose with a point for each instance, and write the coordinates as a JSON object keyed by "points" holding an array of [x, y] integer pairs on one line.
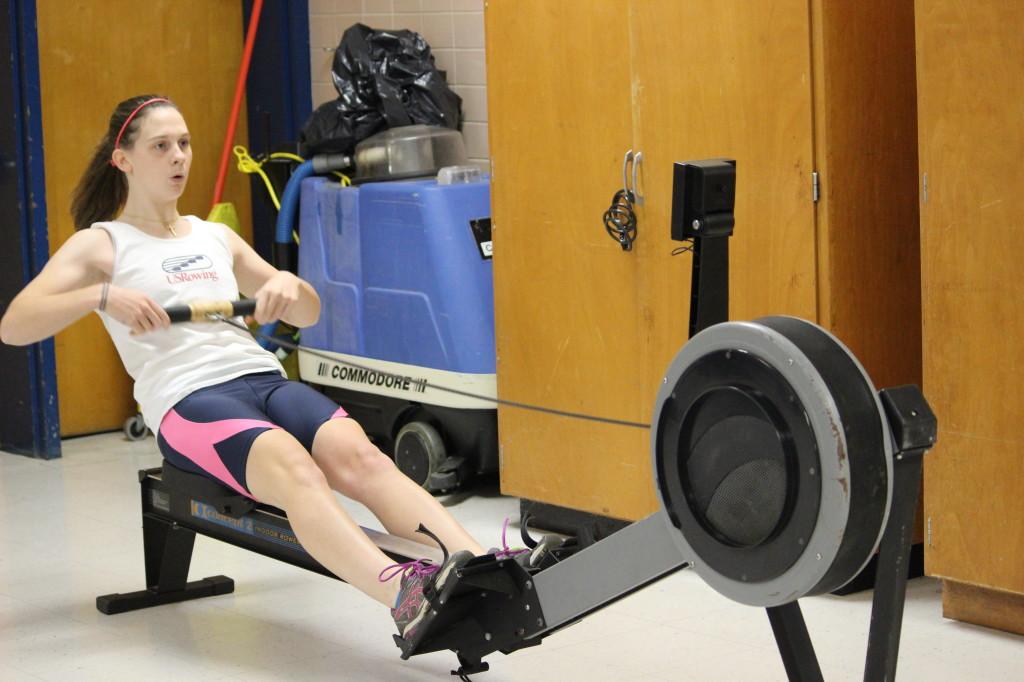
{"points": [[287, 155], [247, 164]]}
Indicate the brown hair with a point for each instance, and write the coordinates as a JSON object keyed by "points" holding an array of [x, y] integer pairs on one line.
{"points": [[102, 189]]}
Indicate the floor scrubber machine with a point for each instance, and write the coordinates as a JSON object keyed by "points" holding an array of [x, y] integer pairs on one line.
{"points": [[402, 262]]}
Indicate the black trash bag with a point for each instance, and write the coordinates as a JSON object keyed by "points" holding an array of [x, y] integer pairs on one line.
{"points": [[384, 79]]}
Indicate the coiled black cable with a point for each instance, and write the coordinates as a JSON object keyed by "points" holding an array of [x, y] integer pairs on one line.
{"points": [[620, 219]]}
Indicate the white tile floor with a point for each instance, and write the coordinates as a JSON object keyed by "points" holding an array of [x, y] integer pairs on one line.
{"points": [[70, 531]]}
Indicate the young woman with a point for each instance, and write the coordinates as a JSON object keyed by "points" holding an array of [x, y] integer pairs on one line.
{"points": [[219, 403]]}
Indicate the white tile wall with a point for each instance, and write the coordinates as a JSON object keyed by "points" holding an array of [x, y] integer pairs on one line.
{"points": [[453, 28], [437, 29]]}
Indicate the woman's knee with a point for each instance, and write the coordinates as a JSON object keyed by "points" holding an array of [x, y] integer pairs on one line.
{"points": [[282, 472], [361, 469], [302, 474], [352, 464]]}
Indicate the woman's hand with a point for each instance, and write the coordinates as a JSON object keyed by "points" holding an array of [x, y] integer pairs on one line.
{"points": [[279, 295], [136, 310], [275, 297]]}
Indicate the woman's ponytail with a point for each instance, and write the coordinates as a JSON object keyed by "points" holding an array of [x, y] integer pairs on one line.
{"points": [[103, 189]]}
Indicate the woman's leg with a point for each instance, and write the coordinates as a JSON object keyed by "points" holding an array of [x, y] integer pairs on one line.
{"points": [[357, 469], [280, 472]]}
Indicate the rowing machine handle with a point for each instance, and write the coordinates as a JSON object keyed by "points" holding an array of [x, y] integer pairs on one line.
{"points": [[200, 311]]}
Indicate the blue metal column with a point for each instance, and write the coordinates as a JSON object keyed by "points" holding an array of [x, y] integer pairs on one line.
{"points": [[29, 420], [279, 97]]}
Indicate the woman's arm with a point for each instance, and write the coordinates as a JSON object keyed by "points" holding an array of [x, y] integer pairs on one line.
{"points": [[69, 287], [279, 295]]}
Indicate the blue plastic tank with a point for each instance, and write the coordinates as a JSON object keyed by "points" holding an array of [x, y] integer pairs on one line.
{"points": [[403, 270]]}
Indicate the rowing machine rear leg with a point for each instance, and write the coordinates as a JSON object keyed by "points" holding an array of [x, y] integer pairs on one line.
{"points": [[168, 550]]}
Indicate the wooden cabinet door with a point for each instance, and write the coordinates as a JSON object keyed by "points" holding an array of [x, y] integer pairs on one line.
{"points": [[91, 56], [713, 78], [581, 324], [567, 325], [865, 152], [970, 94]]}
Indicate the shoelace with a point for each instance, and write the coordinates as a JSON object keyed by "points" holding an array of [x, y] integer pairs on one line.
{"points": [[418, 567], [506, 552]]}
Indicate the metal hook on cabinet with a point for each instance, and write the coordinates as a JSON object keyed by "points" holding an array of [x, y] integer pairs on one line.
{"points": [[637, 160], [620, 219], [625, 173]]}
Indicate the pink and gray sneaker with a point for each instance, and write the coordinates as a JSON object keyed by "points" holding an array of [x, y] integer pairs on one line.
{"points": [[421, 581]]}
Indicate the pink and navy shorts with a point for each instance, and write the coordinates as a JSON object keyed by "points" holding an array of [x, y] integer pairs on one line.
{"points": [[211, 430]]}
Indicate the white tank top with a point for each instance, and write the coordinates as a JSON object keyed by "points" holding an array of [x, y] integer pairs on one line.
{"points": [[171, 363]]}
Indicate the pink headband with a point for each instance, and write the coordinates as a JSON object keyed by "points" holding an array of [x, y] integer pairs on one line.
{"points": [[117, 142]]}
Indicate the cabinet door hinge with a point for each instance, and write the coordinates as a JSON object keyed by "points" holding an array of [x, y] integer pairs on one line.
{"points": [[815, 187]]}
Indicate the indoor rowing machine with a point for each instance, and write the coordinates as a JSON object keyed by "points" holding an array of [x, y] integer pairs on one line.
{"points": [[779, 469]]}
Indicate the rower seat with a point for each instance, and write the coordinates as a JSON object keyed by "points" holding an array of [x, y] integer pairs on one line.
{"points": [[205, 489]]}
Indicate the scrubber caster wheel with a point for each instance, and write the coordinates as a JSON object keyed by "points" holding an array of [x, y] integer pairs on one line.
{"points": [[135, 428], [419, 452]]}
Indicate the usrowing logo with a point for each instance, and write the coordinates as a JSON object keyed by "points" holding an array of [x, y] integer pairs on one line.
{"points": [[186, 263], [189, 269]]}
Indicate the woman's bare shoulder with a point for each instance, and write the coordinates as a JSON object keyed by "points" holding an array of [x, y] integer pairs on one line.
{"points": [[93, 248]]}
